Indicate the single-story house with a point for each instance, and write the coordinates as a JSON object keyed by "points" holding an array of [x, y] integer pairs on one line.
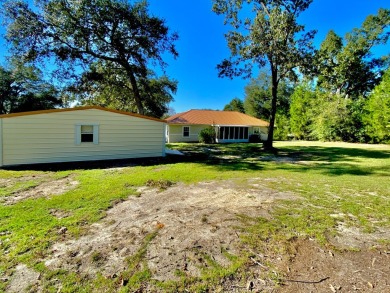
{"points": [[78, 134], [229, 126]]}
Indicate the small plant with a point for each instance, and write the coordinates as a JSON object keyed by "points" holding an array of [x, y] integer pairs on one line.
{"points": [[207, 135], [97, 257], [161, 184]]}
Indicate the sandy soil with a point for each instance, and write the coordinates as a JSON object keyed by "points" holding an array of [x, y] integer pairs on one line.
{"points": [[46, 188], [194, 219]]}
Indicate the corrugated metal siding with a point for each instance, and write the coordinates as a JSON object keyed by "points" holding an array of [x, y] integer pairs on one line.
{"points": [[45, 138]]}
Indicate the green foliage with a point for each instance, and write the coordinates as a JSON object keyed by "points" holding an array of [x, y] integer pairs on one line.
{"points": [[258, 97], [107, 86], [207, 135], [301, 112], [336, 118], [377, 117], [346, 67], [235, 105], [282, 130], [23, 89], [273, 37], [119, 34]]}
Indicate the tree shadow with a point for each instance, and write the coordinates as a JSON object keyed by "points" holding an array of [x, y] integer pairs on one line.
{"points": [[335, 161]]}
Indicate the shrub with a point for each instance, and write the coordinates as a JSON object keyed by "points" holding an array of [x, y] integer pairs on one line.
{"points": [[254, 138], [207, 135]]}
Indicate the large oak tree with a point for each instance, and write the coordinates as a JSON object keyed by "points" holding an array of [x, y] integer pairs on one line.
{"points": [[81, 32]]}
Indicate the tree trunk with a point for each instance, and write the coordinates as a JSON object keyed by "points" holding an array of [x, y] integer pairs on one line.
{"points": [[137, 96], [268, 145]]}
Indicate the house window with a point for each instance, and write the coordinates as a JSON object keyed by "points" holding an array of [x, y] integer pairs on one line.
{"points": [[87, 133], [256, 130], [186, 131]]}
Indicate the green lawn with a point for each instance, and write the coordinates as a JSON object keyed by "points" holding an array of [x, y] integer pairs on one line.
{"points": [[350, 180]]}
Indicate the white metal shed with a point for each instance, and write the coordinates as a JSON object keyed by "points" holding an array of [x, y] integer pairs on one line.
{"points": [[78, 134]]}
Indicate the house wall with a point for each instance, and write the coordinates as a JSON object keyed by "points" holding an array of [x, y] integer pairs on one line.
{"points": [[175, 133], [52, 137], [263, 133]]}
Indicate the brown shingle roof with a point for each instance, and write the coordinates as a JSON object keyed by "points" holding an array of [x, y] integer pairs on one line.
{"points": [[209, 117]]}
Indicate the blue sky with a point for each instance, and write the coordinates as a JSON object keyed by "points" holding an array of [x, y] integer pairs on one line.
{"points": [[202, 45]]}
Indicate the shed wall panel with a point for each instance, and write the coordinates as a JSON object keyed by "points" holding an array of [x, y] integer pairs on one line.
{"points": [[50, 137]]}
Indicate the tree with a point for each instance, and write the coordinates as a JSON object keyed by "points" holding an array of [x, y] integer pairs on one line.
{"points": [[273, 37], [301, 113], [22, 89], [107, 86], [346, 67], [81, 32], [258, 97], [8, 92], [377, 117], [235, 105]]}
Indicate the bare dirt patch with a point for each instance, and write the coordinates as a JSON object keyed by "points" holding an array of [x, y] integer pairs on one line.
{"points": [[194, 221], [45, 188], [313, 268], [350, 237], [22, 279]]}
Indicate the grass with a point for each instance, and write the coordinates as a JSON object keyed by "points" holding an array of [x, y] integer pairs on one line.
{"points": [[335, 182]]}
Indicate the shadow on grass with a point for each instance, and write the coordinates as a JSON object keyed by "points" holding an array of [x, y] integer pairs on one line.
{"points": [[251, 157], [332, 154]]}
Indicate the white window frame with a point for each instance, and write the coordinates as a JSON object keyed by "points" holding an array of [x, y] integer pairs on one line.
{"points": [[189, 131], [78, 133]]}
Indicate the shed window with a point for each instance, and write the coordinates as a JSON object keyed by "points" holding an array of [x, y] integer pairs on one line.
{"points": [[186, 131], [87, 133]]}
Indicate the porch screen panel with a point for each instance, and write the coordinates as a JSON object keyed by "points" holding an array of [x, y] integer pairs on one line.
{"points": [[221, 132], [237, 132], [233, 133]]}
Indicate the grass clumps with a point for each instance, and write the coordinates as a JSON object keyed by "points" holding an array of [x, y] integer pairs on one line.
{"points": [[160, 184]]}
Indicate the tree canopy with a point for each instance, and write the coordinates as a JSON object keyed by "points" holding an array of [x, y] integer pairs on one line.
{"points": [[79, 33], [23, 89], [235, 105], [346, 66], [377, 115]]}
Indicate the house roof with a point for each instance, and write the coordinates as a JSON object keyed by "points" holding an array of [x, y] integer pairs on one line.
{"points": [[210, 117], [78, 109]]}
